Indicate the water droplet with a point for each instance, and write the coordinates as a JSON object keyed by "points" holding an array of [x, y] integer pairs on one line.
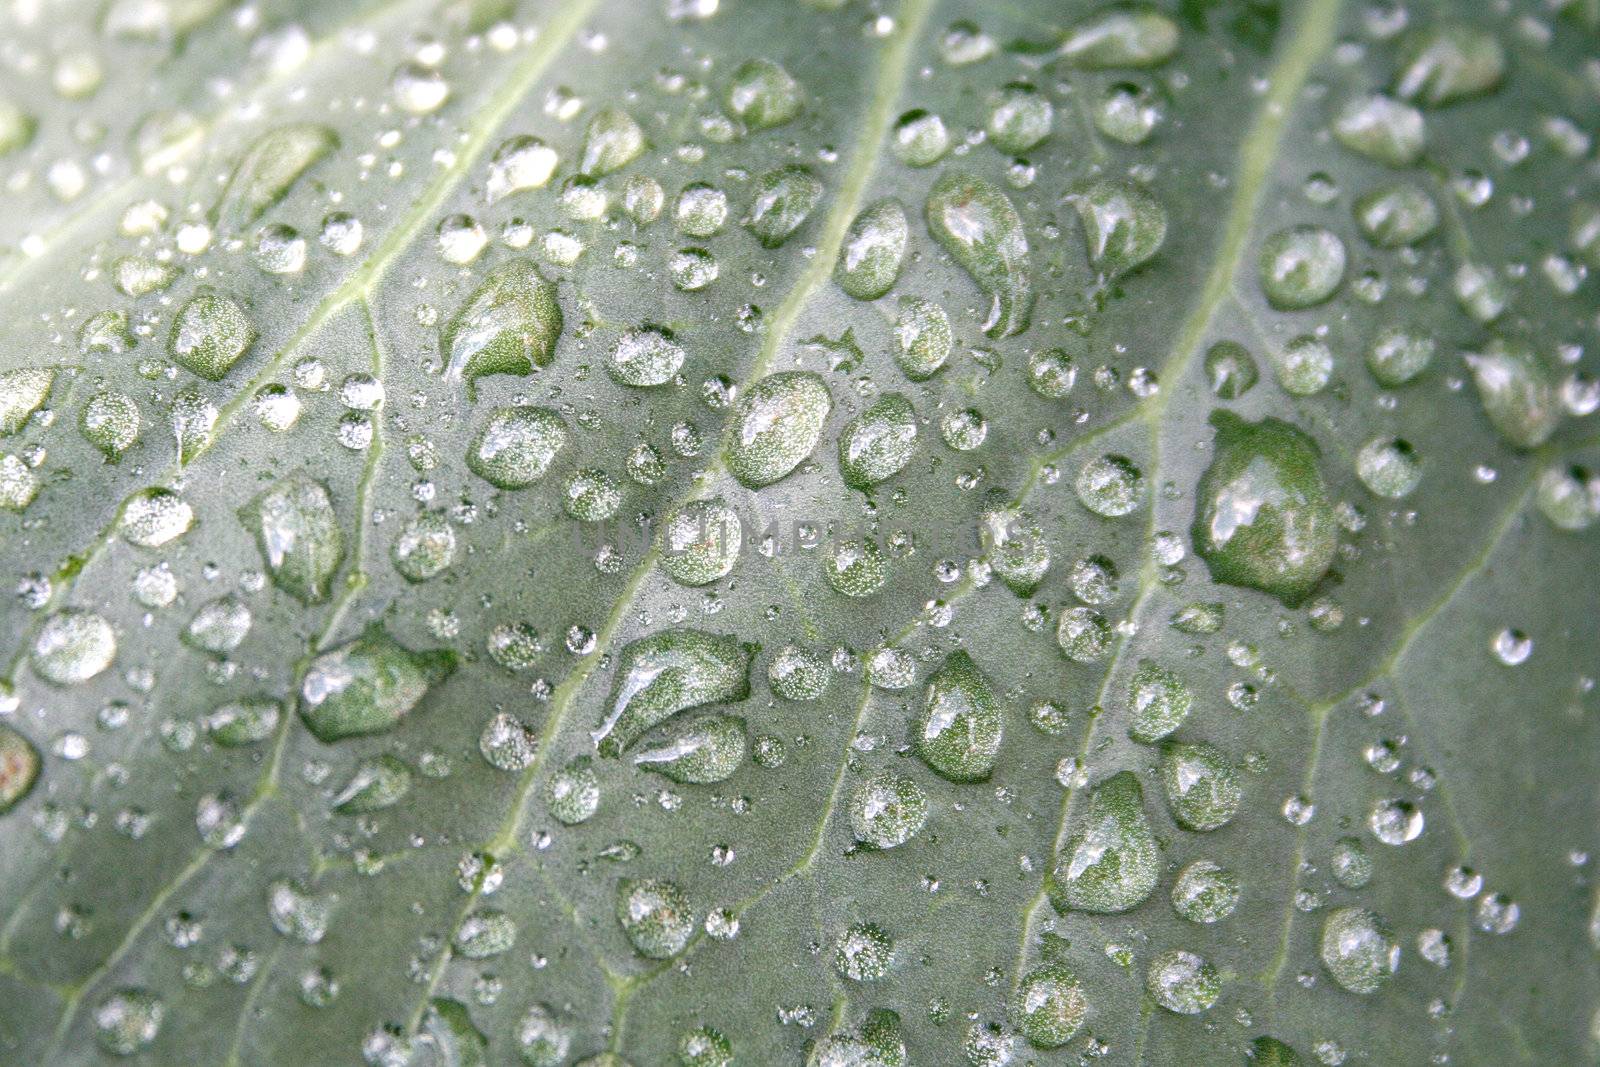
{"points": [[1123, 225], [873, 250], [707, 750], [762, 95], [1516, 392], [666, 673], [367, 685], [1020, 118], [1395, 822], [1264, 520], [979, 227], [655, 916], [1301, 267], [73, 646], [1112, 864], [1183, 982], [1358, 949], [921, 138], [958, 730], [1381, 128], [1205, 893], [517, 445], [1202, 785], [878, 443], [782, 200], [1110, 486], [776, 426], [509, 325], [127, 1021], [210, 334], [267, 171], [923, 338], [1132, 36]]}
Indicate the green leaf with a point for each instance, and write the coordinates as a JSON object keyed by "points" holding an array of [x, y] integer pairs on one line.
{"points": [[722, 532]]}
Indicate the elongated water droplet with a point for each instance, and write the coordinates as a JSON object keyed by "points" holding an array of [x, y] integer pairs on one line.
{"points": [[1121, 37], [367, 685], [22, 392], [1517, 393], [979, 227], [1448, 62], [509, 325], [268, 170], [923, 338], [873, 250], [377, 783], [877, 444], [299, 536], [708, 750], [666, 673]]}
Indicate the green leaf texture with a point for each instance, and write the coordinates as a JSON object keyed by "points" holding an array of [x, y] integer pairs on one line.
{"points": [[774, 532]]}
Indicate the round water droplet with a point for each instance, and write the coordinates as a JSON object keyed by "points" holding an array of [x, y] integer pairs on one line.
{"points": [[1051, 373], [1020, 118], [887, 810], [1183, 982], [921, 138], [1205, 892], [655, 916], [799, 675], [1358, 949], [517, 445], [1389, 467], [762, 95], [1049, 1006], [425, 547], [1395, 822], [863, 953], [1202, 785], [73, 646], [128, 1021], [1231, 370], [1301, 267], [1123, 225], [1399, 355], [572, 794], [1110, 486]]}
